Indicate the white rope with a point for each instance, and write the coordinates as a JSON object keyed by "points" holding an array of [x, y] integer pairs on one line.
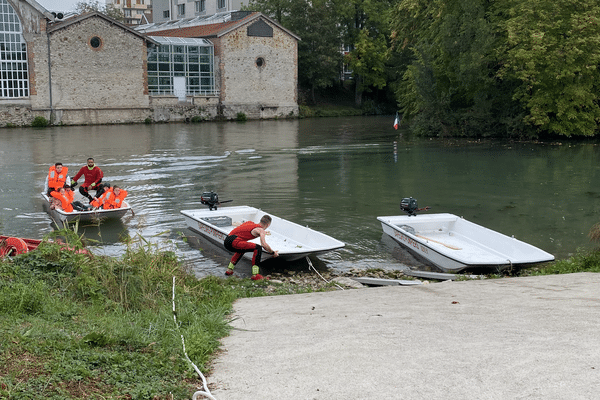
{"points": [[206, 392], [311, 266]]}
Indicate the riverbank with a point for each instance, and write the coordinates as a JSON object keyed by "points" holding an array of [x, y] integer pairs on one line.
{"points": [[75, 325]]}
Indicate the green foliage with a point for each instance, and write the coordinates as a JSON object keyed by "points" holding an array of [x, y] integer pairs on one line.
{"points": [[553, 49], [39, 122], [197, 119], [241, 117], [583, 261], [148, 121]]}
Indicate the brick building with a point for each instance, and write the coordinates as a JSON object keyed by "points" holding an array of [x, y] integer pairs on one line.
{"points": [[90, 69], [256, 61]]}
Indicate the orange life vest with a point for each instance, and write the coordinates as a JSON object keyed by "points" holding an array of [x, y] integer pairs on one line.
{"points": [[70, 195], [115, 201], [65, 204], [57, 180], [101, 201]]}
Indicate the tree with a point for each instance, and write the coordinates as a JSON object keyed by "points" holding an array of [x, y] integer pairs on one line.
{"points": [[367, 31], [94, 5], [553, 50], [449, 84]]}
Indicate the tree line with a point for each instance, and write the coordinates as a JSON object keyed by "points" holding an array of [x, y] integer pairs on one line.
{"points": [[471, 68]]}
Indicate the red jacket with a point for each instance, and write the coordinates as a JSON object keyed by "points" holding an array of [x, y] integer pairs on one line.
{"points": [[93, 175], [244, 231]]}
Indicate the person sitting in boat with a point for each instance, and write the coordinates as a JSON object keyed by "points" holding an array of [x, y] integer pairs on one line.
{"points": [[106, 192], [238, 242], [112, 198], [63, 199], [56, 178], [77, 205], [93, 176]]}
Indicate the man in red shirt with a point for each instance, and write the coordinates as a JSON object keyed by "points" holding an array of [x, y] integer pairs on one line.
{"points": [[93, 176], [238, 242]]}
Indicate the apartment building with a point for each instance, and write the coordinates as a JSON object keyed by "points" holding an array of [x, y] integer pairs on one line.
{"points": [[136, 12], [169, 10]]}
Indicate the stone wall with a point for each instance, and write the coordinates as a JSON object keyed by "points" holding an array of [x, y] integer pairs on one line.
{"points": [[258, 73], [83, 77]]}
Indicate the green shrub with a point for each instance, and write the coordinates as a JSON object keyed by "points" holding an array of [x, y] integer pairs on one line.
{"points": [[39, 122], [197, 118], [241, 117], [148, 121]]}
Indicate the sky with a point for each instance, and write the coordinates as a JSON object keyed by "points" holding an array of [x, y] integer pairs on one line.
{"points": [[59, 5]]}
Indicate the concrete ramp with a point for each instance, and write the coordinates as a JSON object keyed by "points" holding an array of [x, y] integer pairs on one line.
{"points": [[514, 338]]}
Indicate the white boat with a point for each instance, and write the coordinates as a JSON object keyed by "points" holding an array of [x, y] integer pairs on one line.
{"points": [[452, 243], [291, 240], [101, 214]]}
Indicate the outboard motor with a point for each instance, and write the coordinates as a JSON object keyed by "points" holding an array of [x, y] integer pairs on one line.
{"points": [[211, 199], [409, 206]]}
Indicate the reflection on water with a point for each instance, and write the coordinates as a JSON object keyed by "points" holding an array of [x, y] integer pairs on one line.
{"points": [[335, 175]]}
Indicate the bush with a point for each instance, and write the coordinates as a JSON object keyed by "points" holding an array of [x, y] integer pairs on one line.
{"points": [[241, 117], [39, 122], [197, 118], [148, 121]]}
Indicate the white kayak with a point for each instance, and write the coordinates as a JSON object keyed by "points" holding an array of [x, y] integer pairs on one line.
{"points": [[453, 243], [291, 240]]}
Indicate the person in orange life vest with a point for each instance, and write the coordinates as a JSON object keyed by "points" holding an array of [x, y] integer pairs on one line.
{"points": [[77, 205], [56, 178], [107, 191], [64, 200], [61, 196], [116, 200], [238, 242], [93, 176]]}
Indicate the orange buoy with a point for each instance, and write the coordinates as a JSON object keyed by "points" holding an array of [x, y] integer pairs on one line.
{"points": [[13, 246]]}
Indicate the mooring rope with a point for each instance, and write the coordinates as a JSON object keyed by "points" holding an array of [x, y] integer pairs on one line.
{"points": [[311, 266], [206, 392]]}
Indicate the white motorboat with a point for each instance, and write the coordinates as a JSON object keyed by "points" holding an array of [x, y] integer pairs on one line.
{"points": [[291, 240], [452, 243], [61, 216]]}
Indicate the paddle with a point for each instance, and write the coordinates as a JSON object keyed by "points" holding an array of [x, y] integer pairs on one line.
{"points": [[443, 244]]}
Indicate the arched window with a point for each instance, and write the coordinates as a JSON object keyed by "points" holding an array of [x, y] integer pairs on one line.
{"points": [[14, 75]]}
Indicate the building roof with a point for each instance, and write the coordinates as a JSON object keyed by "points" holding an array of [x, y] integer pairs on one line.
{"points": [[182, 40], [58, 25], [212, 26], [37, 6]]}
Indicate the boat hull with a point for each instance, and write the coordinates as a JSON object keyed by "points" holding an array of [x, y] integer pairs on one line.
{"points": [[292, 241], [99, 215], [453, 244]]}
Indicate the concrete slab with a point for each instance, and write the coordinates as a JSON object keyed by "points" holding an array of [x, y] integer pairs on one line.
{"points": [[515, 338]]}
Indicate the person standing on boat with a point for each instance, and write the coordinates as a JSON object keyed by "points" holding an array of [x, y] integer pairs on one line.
{"points": [[56, 178], [93, 176], [238, 242]]}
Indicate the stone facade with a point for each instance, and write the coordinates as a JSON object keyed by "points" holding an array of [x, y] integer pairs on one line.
{"points": [[98, 71], [257, 64], [258, 73]]}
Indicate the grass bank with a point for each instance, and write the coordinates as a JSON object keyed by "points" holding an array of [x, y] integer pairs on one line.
{"points": [[74, 325]]}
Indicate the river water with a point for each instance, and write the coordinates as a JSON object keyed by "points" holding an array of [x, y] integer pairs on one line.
{"points": [[335, 175]]}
